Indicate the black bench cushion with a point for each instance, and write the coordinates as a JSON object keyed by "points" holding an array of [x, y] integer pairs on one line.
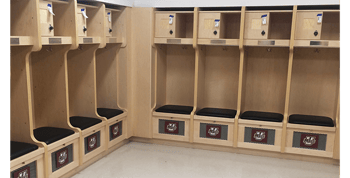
{"points": [[51, 134], [311, 120], [176, 109], [262, 116], [108, 113], [217, 112], [20, 148], [83, 122]]}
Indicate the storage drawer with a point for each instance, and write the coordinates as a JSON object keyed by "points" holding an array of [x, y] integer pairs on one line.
{"points": [[81, 22], [256, 25], [207, 28], [29, 170], [163, 28], [307, 26], [212, 132], [46, 19], [171, 128]]}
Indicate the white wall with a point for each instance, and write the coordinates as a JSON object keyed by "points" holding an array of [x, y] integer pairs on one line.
{"points": [[215, 3], [119, 2]]}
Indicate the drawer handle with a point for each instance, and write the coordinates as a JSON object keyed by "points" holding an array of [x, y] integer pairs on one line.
{"points": [[213, 131], [316, 33], [258, 135], [309, 140], [62, 158], [171, 127]]}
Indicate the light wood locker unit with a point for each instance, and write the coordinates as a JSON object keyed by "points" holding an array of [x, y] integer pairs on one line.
{"points": [[175, 70], [115, 24], [268, 26], [49, 97], [81, 65], [317, 26], [218, 71], [91, 23], [57, 22], [27, 154], [25, 23], [108, 89], [173, 27], [219, 27], [314, 96], [263, 98]]}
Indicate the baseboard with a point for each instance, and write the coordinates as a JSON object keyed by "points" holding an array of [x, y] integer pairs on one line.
{"points": [[245, 151]]}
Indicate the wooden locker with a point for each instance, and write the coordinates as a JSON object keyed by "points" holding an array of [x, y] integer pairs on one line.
{"points": [[254, 29], [163, 29], [46, 19], [108, 23], [307, 27], [81, 20], [207, 25]]}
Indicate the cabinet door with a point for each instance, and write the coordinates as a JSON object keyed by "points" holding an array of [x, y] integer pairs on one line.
{"points": [[163, 28], [81, 20], [254, 27], [207, 25], [46, 19], [108, 23], [307, 26]]}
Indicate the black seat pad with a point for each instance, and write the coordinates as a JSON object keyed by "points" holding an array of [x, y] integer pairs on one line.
{"points": [[83, 122], [311, 120], [20, 148], [176, 109], [51, 134], [217, 112], [108, 113], [262, 116]]}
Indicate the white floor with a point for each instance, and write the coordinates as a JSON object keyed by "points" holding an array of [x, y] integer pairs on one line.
{"points": [[151, 160]]}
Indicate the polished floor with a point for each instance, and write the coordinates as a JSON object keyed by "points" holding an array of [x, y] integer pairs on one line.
{"points": [[151, 160]]}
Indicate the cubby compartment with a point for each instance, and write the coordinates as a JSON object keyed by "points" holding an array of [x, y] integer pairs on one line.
{"points": [[263, 98], [221, 28], [115, 24], [57, 22], [173, 27], [109, 71], [175, 70], [91, 19], [218, 71], [268, 27], [24, 23], [50, 109], [317, 28], [27, 155], [313, 102], [82, 101]]}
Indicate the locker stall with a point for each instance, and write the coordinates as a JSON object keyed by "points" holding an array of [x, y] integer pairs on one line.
{"points": [[108, 92], [218, 75], [57, 22], [27, 154], [82, 101], [173, 27], [91, 23], [263, 98], [175, 70], [25, 12], [50, 110], [317, 26], [268, 26], [219, 26], [313, 102]]}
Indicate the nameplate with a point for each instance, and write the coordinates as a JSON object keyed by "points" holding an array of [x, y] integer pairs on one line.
{"points": [[15, 41], [218, 41], [173, 41], [318, 43], [87, 40], [266, 43], [55, 41]]}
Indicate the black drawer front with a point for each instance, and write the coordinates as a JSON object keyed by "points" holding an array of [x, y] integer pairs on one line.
{"points": [[29, 170], [260, 136], [62, 157], [309, 141], [213, 131], [172, 127], [115, 130]]}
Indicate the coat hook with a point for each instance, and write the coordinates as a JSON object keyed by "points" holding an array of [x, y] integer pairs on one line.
{"points": [[80, 47], [268, 49], [184, 47], [224, 48], [317, 50]]}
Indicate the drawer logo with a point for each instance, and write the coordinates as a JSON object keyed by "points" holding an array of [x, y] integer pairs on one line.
{"points": [[213, 131], [115, 130], [171, 127], [259, 136], [61, 157], [92, 140], [309, 141], [23, 173]]}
